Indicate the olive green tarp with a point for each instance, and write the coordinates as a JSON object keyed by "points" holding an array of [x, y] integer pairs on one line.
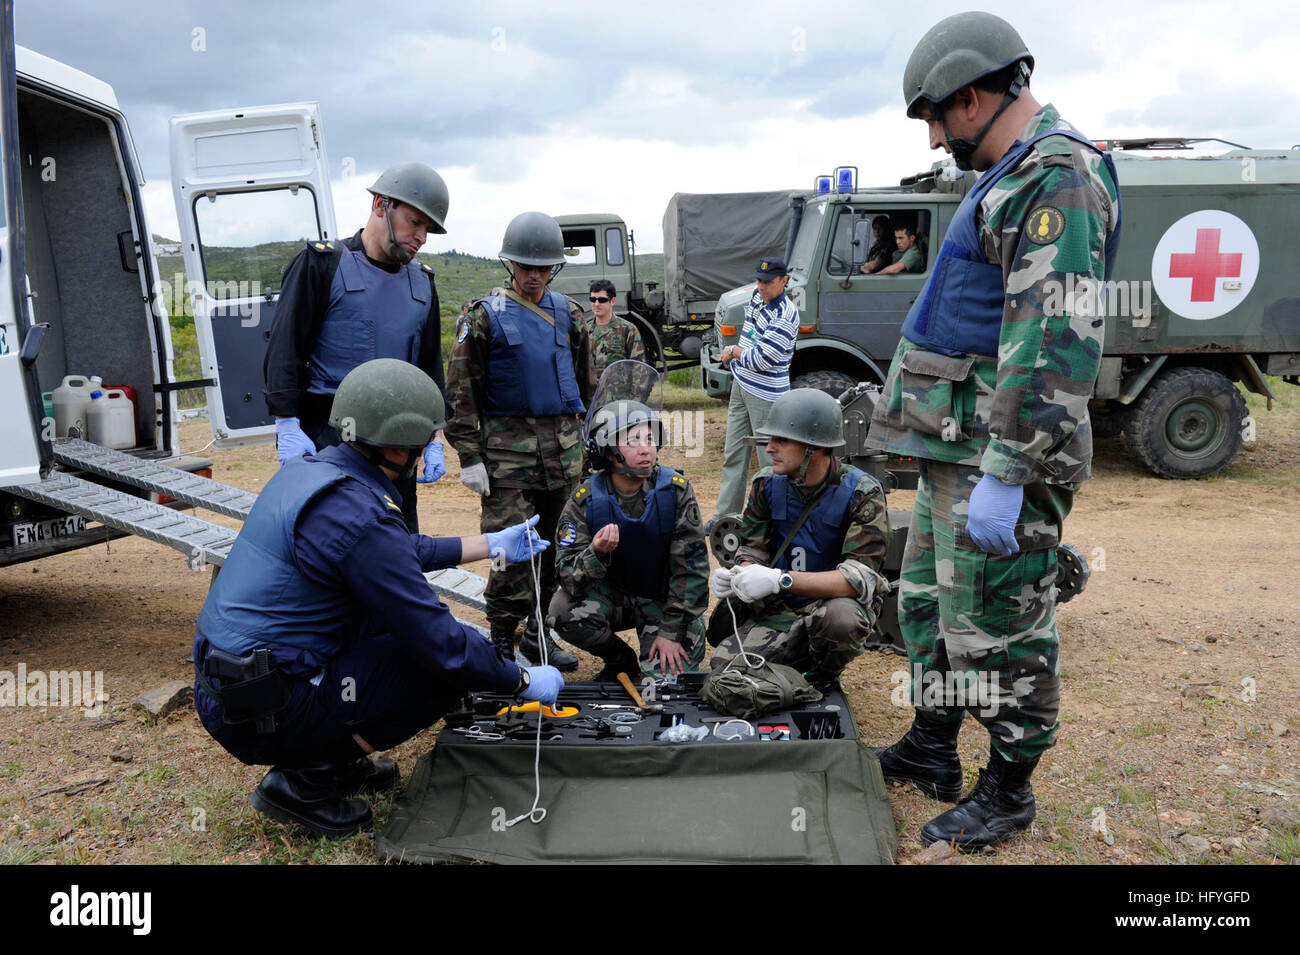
{"points": [[818, 801]]}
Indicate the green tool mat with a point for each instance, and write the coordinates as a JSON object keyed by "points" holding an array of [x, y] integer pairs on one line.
{"points": [[782, 802]]}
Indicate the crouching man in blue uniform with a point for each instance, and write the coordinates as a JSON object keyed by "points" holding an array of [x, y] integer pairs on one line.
{"points": [[321, 642]]}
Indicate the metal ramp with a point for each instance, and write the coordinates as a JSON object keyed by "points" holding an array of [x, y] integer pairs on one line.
{"points": [[148, 475], [199, 540], [460, 585]]}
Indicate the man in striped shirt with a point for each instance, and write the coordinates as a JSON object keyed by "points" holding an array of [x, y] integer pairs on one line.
{"points": [[760, 369]]}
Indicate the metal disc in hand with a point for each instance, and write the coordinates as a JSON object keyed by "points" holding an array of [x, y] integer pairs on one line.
{"points": [[724, 539], [1072, 572]]}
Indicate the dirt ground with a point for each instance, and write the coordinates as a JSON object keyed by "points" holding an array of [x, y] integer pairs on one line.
{"points": [[1180, 673]]}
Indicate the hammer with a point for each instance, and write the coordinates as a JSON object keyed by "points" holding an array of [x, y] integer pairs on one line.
{"points": [[642, 707]]}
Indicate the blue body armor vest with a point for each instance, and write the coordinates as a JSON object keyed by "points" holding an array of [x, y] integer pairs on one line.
{"points": [[639, 565], [959, 312], [820, 541], [530, 368], [371, 314], [261, 598]]}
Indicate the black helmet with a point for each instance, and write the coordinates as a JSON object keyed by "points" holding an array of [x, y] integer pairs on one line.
{"points": [[609, 423]]}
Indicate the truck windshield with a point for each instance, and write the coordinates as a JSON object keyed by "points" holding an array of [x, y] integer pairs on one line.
{"points": [[806, 240]]}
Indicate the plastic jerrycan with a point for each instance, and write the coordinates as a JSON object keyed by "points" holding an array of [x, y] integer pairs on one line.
{"points": [[111, 420], [71, 402]]}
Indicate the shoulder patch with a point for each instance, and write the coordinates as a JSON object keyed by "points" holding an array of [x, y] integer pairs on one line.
{"points": [[581, 493], [462, 332], [566, 534], [1044, 225], [389, 501]]}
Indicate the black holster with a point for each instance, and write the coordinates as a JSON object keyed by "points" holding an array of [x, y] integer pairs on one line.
{"points": [[251, 689]]}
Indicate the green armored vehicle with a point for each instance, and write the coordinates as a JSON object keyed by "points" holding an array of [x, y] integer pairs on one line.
{"points": [[1200, 298]]}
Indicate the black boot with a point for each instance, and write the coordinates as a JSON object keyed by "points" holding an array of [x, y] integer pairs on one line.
{"points": [[369, 776], [312, 797], [619, 658], [1000, 805], [926, 757], [504, 641], [560, 659]]}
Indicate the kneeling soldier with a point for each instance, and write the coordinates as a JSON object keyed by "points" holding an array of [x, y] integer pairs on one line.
{"points": [[631, 552], [813, 541]]}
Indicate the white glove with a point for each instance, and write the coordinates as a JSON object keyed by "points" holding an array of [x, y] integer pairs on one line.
{"points": [[720, 582], [475, 478], [755, 582]]}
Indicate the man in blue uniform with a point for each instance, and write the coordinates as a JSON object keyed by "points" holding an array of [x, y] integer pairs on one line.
{"points": [[321, 641], [344, 303]]}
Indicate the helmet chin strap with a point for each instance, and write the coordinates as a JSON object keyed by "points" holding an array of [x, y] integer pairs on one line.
{"points": [[376, 457], [622, 467], [396, 250], [963, 148]]}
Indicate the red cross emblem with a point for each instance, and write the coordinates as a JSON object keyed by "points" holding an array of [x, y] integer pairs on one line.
{"points": [[1205, 266]]}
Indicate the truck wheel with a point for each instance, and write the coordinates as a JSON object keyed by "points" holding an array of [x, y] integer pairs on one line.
{"points": [[1109, 420], [1187, 424], [834, 383]]}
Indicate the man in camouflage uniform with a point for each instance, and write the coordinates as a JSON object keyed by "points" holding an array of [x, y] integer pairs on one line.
{"points": [[813, 540], [518, 376], [613, 338], [989, 390], [631, 553]]}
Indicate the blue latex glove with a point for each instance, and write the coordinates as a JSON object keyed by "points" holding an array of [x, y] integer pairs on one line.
{"points": [[290, 441], [435, 465], [513, 542], [994, 508], [544, 685]]}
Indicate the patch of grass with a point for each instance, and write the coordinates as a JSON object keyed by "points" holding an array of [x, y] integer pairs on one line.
{"points": [[1286, 848], [1135, 795], [1143, 730], [11, 770], [22, 855]]}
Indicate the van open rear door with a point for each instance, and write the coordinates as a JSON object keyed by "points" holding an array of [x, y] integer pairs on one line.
{"points": [[251, 188], [21, 425]]}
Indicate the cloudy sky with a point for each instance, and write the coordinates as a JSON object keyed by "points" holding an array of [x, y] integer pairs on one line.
{"points": [[613, 107]]}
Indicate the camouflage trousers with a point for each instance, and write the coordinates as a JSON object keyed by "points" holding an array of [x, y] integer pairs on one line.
{"points": [[509, 595], [822, 636], [980, 629], [596, 617]]}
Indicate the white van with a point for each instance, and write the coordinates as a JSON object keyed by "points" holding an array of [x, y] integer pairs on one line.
{"points": [[80, 294]]}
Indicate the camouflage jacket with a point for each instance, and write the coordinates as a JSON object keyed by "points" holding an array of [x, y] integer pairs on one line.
{"points": [[614, 342], [578, 567], [865, 541], [1021, 416], [533, 452]]}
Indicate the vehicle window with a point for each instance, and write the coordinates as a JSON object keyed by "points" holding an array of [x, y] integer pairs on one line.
{"points": [[580, 247], [247, 238], [613, 246], [866, 240], [806, 241], [851, 226]]}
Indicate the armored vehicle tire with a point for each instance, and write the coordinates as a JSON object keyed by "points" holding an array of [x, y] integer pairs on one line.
{"points": [[1187, 424], [834, 383], [1109, 420]]}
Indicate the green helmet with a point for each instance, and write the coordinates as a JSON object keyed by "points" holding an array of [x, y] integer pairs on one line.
{"points": [[806, 415], [956, 52], [417, 185], [610, 422], [388, 403], [533, 238]]}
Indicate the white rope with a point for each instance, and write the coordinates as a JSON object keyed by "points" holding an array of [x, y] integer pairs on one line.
{"points": [[537, 813], [742, 653]]}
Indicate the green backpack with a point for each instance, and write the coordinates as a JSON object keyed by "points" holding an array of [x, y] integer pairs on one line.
{"points": [[751, 691]]}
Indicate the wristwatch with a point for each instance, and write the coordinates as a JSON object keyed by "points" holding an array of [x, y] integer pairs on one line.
{"points": [[785, 582], [525, 681]]}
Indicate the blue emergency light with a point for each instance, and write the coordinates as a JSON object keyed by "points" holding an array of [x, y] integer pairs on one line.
{"points": [[822, 185], [846, 178]]}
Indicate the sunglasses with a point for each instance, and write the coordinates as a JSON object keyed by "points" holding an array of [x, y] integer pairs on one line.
{"points": [[533, 268], [600, 298]]}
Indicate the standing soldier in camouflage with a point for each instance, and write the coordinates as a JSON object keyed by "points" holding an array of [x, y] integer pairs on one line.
{"points": [[632, 553], [518, 376], [813, 540], [989, 390], [613, 338]]}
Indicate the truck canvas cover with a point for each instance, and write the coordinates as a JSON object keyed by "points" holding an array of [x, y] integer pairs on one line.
{"points": [[709, 239]]}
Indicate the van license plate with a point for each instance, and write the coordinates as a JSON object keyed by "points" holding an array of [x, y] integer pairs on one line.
{"points": [[38, 532]]}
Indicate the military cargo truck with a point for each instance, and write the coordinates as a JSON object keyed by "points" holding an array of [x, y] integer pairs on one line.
{"points": [[712, 241], [1203, 297]]}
